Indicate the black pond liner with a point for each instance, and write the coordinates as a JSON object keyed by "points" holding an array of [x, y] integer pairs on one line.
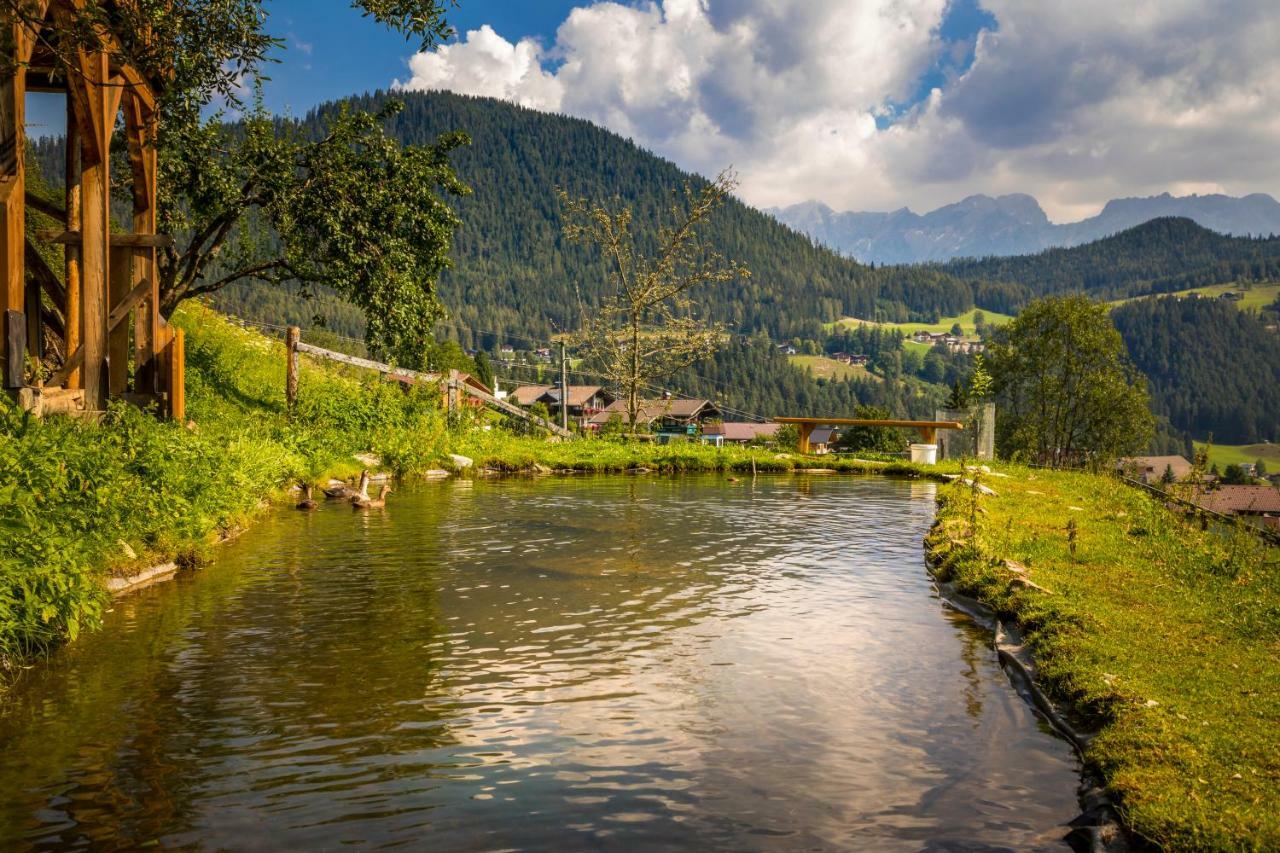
{"points": [[1097, 829]]}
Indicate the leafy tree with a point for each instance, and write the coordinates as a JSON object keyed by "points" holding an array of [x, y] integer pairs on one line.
{"points": [[484, 369], [1260, 468], [957, 329], [1168, 478], [1066, 389], [648, 328], [348, 207], [1234, 475], [878, 439]]}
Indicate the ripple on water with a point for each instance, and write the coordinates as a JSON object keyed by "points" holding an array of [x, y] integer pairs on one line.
{"points": [[593, 663]]}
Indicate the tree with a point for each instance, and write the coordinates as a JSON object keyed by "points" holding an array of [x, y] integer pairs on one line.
{"points": [[484, 370], [1234, 475], [957, 329], [255, 199], [1067, 391], [1168, 478], [647, 328]]}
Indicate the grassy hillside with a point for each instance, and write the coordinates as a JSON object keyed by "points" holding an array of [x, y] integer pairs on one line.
{"points": [[828, 368], [1163, 637], [1257, 296], [1223, 455], [966, 319]]}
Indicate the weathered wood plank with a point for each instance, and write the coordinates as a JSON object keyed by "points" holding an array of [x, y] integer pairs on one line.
{"points": [[415, 376], [70, 366], [94, 215], [116, 241], [117, 333]]}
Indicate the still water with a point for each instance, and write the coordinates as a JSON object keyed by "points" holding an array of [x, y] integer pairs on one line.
{"points": [[595, 664]]}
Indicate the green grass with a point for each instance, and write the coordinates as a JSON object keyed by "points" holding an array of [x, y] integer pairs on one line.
{"points": [[1164, 637], [1223, 455], [81, 499], [965, 320], [828, 368], [1256, 297]]}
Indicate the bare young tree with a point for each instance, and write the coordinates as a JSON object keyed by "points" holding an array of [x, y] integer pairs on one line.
{"points": [[647, 329]]}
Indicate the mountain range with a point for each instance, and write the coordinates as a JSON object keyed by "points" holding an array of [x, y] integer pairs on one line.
{"points": [[983, 226]]}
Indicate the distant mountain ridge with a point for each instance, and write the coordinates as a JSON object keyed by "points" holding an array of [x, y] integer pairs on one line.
{"points": [[983, 226]]}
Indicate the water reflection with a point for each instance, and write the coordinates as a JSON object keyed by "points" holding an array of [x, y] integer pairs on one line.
{"points": [[606, 663]]}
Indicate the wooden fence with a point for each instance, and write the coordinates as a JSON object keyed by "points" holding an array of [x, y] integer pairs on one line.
{"points": [[452, 386]]}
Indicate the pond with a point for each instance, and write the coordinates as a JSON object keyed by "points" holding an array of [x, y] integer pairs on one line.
{"points": [[609, 663]]}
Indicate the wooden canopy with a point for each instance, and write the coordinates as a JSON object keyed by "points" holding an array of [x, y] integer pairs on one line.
{"points": [[928, 429], [103, 312]]}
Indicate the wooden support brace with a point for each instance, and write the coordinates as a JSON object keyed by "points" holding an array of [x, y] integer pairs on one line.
{"points": [[118, 334], [116, 241], [70, 366], [127, 303]]}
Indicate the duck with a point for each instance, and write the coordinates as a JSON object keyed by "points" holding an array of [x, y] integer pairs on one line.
{"points": [[307, 503], [345, 492], [366, 502]]}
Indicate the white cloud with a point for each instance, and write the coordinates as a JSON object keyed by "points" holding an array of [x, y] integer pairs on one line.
{"points": [[1074, 103]]}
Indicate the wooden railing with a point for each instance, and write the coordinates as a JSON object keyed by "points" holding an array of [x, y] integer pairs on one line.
{"points": [[452, 386]]}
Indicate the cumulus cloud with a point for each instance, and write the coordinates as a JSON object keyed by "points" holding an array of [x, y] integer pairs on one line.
{"points": [[1074, 103]]}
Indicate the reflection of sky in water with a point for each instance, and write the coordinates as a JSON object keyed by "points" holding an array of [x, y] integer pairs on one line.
{"points": [[611, 662]]}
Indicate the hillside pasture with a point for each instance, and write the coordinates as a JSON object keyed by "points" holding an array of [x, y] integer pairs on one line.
{"points": [[828, 368], [1223, 455], [966, 321]]}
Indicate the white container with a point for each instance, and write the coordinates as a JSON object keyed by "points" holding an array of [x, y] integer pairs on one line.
{"points": [[924, 454]]}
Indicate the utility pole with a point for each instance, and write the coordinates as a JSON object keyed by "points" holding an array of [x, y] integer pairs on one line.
{"points": [[564, 387]]}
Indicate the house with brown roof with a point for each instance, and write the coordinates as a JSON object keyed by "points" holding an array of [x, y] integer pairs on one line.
{"points": [[740, 433], [1254, 503], [669, 417], [583, 400], [1150, 469]]}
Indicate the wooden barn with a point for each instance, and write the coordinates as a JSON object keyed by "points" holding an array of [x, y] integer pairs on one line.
{"points": [[72, 339]]}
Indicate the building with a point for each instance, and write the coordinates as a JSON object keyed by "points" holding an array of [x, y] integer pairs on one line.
{"points": [[457, 377], [822, 440], [668, 418], [738, 433], [584, 400], [1150, 469], [1258, 505]]}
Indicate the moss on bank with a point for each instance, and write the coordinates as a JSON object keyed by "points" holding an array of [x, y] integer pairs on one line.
{"points": [[1163, 637]]}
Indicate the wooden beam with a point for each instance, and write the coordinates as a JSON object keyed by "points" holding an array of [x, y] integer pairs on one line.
{"points": [[127, 303], [71, 253], [121, 268], [70, 366], [45, 206], [12, 204], [39, 269], [178, 376], [115, 240], [95, 213]]}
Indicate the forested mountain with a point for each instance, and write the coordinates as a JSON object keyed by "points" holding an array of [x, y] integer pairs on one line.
{"points": [[513, 275], [1211, 367], [980, 225], [1160, 256]]}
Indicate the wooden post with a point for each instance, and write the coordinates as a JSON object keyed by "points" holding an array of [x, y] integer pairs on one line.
{"points": [[118, 338], [178, 376], [12, 188], [95, 214], [71, 252], [291, 338], [806, 429]]}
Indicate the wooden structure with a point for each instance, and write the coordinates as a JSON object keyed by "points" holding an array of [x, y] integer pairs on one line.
{"points": [[104, 312], [928, 429]]}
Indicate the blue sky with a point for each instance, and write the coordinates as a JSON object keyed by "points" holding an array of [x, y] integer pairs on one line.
{"points": [[861, 104], [338, 52]]}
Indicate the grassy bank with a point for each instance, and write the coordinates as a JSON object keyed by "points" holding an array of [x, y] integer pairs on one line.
{"points": [[80, 500], [1163, 637]]}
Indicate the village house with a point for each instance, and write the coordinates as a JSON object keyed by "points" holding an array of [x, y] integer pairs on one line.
{"points": [[458, 377], [851, 358], [1150, 469], [738, 433], [1257, 505], [668, 418], [584, 400], [786, 349]]}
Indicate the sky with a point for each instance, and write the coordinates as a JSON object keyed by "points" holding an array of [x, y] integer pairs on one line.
{"points": [[860, 104]]}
